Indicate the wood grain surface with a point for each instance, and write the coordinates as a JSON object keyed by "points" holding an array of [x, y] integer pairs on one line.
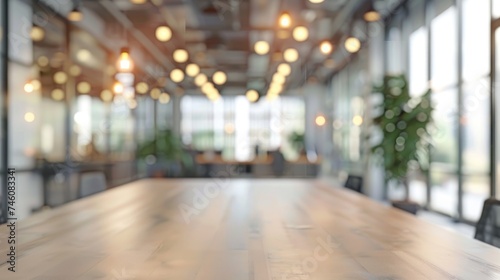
{"points": [[238, 229]]}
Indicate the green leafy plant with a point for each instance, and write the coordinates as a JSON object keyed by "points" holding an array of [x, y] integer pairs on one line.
{"points": [[297, 141], [165, 145], [404, 125]]}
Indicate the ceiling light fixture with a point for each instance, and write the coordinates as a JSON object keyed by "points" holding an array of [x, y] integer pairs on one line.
{"points": [[141, 87], [284, 69], [291, 55], [75, 15], [124, 63], [278, 78], [118, 88], [180, 56], [352, 44], [200, 79], [326, 47], [219, 78], [252, 95], [155, 93], [316, 1], [138, 1], [163, 33], [372, 15], [57, 94], [164, 98], [285, 20], [261, 47], [28, 87], [320, 120], [192, 70], [300, 33], [75, 70], [207, 88], [177, 75], [60, 77], [37, 33], [106, 95]]}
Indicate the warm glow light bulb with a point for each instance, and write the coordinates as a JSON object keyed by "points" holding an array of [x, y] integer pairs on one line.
{"points": [[192, 70], [371, 16], [124, 63], [291, 55], [43, 61], [83, 87], [28, 87], [300, 33], [207, 88], [155, 93], [285, 20], [219, 78], [75, 15], [200, 79], [29, 117], [60, 77], [352, 44], [163, 33], [278, 78], [261, 47], [275, 88], [164, 98], [75, 70], [57, 94], [320, 120], [252, 95], [180, 56], [37, 33], [284, 69], [141, 87], [36, 84], [106, 95], [177, 75], [118, 88], [357, 120], [326, 47]]}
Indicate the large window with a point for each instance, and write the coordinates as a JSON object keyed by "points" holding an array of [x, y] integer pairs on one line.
{"points": [[208, 125], [475, 110], [444, 49]]}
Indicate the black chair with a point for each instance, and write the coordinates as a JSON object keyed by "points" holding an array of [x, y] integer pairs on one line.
{"points": [[354, 183], [488, 227]]}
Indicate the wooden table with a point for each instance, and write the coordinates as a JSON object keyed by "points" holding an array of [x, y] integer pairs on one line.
{"points": [[244, 229]]}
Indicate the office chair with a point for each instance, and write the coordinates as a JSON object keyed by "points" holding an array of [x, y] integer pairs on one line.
{"points": [[354, 183], [488, 227]]}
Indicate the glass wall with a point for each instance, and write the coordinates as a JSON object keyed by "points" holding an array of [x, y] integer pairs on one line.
{"points": [[448, 47], [64, 119], [210, 126]]}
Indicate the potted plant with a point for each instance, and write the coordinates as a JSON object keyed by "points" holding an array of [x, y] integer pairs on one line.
{"points": [[297, 141], [164, 156], [403, 124]]}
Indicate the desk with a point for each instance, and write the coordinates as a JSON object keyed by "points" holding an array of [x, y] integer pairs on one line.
{"points": [[261, 167], [246, 229]]}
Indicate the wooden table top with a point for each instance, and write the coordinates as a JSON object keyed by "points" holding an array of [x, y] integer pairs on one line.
{"points": [[239, 229]]}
